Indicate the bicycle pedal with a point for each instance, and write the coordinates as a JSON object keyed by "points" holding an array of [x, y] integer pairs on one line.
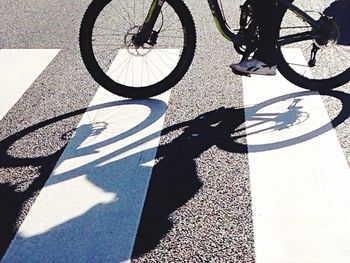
{"points": [[236, 72]]}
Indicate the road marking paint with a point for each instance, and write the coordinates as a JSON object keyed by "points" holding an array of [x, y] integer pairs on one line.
{"points": [[18, 70], [300, 193], [90, 207]]}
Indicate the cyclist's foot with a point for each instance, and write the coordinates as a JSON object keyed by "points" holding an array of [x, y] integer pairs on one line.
{"points": [[253, 66]]}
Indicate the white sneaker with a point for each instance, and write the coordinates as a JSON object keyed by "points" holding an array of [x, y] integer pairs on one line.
{"points": [[253, 66]]}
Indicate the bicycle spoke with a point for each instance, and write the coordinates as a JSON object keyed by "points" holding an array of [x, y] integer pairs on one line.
{"points": [[149, 79], [105, 28], [165, 8], [143, 8], [114, 70], [104, 57], [173, 36], [113, 18], [127, 13], [142, 71], [155, 66], [134, 13], [150, 69], [132, 72], [165, 53], [109, 44], [167, 27], [100, 35], [127, 70], [171, 29], [126, 66], [161, 46], [169, 17], [166, 63]]}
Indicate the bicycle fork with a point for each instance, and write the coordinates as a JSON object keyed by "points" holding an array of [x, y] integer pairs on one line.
{"points": [[146, 33]]}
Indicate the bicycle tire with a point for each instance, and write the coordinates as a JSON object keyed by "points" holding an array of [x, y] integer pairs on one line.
{"points": [[144, 91], [316, 81]]}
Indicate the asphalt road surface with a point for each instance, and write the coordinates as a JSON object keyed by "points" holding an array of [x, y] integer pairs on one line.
{"points": [[157, 180]]}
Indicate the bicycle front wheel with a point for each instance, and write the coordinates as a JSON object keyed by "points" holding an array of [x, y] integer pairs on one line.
{"points": [[133, 71], [329, 67]]}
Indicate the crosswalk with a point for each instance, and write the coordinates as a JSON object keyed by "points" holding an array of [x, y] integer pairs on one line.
{"points": [[90, 207], [106, 149], [18, 70], [299, 191]]}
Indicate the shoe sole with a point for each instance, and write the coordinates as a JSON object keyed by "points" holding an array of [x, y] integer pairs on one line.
{"points": [[252, 72]]}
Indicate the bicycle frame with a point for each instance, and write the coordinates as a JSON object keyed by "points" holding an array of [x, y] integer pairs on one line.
{"points": [[303, 16], [229, 33], [221, 23]]}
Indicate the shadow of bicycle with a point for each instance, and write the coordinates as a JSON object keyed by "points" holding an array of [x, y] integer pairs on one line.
{"points": [[174, 179]]}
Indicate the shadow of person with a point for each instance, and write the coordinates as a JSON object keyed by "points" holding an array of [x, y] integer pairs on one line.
{"points": [[107, 226], [100, 234], [173, 183], [174, 180], [340, 11]]}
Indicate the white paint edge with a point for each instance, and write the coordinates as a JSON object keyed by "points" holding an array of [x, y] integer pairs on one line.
{"points": [[19, 68]]}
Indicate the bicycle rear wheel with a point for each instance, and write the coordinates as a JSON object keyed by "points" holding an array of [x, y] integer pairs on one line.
{"points": [[332, 65], [133, 71]]}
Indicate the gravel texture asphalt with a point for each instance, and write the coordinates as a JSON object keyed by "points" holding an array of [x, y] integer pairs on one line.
{"points": [[198, 208]]}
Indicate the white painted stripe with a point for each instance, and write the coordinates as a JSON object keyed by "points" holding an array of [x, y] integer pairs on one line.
{"points": [[91, 205], [18, 70], [300, 192]]}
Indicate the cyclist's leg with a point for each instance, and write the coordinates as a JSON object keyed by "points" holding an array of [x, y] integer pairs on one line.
{"points": [[269, 16]]}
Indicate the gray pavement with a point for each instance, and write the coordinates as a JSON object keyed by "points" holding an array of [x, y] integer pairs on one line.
{"points": [[198, 207]]}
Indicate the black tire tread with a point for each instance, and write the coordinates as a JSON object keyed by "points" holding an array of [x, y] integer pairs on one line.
{"points": [[311, 84], [168, 82]]}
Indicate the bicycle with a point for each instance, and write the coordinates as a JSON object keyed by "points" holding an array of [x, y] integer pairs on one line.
{"points": [[157, 44]]}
